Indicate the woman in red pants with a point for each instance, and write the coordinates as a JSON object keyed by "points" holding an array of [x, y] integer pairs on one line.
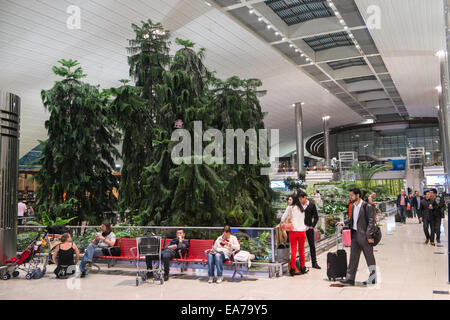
{"points": [[297, 235]]}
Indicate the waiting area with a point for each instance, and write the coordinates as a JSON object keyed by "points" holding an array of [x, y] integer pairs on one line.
{"points": [[408, 269]]}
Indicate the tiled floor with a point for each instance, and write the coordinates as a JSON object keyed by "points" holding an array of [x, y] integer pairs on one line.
{"points": [[409, 269]]}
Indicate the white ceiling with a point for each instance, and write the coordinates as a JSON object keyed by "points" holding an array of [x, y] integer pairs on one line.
{"points": [[33, 36], [411, 32]]}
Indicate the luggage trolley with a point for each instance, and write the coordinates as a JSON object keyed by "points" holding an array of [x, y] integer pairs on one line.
{"points": [[149, 245]]}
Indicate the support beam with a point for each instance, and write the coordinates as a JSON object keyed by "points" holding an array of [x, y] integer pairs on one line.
{"points": [[326, 134], [300, 144]]}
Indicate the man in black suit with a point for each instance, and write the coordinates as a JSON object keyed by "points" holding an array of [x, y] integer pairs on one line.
{"points": [[437, 215], [427, 210], [416, 204], [362, 224], [311, 219]]}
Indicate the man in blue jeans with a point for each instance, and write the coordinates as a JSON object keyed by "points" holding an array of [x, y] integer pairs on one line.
{"points": [[402, 202], [102, 240]]}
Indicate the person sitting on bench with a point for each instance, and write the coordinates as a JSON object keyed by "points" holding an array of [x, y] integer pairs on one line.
{"points": [[175, 249], [102, 240]]}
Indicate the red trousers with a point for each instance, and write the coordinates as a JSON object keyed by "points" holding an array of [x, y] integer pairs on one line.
{"points": [[299, 236]]}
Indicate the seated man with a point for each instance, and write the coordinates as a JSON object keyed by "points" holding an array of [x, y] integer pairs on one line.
{"points": [[95, 249], [176, 249]]}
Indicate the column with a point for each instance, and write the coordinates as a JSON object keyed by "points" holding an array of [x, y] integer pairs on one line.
{"points": [[9, 176], [299, 136], [326, 135]]}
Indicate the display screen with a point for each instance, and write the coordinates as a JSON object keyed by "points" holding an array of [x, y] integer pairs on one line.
{"points": [[277, 184], [436, 180]]}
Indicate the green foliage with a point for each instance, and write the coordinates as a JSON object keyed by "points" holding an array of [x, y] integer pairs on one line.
{"points": [[76, 178], [46, 221], [259, 246], [295, 185], [366, 171], [333, 207], [25, 239]]}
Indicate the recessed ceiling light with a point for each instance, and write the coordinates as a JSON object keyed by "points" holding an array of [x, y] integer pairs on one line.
{"points": [[342, 21], [277, 33], [302, 103], [291, 45], [311, 62], [284, 39], [440, 53], [437, 107], [303, 54], [269, 26], [345, 28], [251, 11], [297, 50], [260, 19], [325, 117], [208, 4]]}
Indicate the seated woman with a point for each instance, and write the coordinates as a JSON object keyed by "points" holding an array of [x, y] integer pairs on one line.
{"points": [[222, 250], [102, 240], [63, 256]]}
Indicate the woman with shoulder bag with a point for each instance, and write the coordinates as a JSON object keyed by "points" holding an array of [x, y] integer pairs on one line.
{"points": [[293, 219]]}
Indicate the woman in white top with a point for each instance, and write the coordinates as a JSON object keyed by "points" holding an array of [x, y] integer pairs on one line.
{"points": [[298, 232]]}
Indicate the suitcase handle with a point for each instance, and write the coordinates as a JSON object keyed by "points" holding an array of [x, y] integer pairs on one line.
{"points": [[337, 238]]}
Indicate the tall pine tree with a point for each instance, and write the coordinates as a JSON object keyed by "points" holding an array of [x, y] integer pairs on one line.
{"points": [[76, 177]]}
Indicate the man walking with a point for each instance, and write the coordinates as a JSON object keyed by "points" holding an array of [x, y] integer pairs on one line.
{"points": [[427, 209], [437, 215], [362, 225], [416, 204], [402, 201]]}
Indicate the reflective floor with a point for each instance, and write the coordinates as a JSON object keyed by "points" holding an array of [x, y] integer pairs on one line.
{"points": [[409, 269]]}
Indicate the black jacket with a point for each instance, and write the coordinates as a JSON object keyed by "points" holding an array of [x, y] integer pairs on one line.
{"points": [[311, 215], [414, 202], [427, 213], [440, 207]]}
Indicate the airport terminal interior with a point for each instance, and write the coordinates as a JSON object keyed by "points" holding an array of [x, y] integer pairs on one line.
{"points": [[224, 149]]}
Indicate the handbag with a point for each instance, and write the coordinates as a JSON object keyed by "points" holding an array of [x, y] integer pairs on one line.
{"points": [[111, 251], [408, 206], [287, 224]]}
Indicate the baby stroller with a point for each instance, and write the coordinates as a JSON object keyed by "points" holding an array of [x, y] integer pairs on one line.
{"points": [[28, 261]]}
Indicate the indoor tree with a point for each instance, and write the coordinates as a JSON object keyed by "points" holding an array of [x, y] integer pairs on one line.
{"points": [[77, 160]]}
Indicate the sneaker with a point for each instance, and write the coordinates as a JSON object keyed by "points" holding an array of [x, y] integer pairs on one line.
{"points": [[219, 280], [374, 281], [292, 272], [426, 241], [83, 274], [210, 280], [432, 243]]}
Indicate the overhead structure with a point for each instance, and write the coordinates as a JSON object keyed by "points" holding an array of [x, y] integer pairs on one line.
{"points": [[300, 143], [330, 42], [9, 161]]}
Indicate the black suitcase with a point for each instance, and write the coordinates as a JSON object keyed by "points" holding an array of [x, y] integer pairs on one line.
{"points": [[337, 262], [398, 218]]}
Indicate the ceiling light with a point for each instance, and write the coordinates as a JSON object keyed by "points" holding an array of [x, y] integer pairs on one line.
{"points": [[325, 117], [345, 28], [303, 54], [437, 107], [297, 50], [269, 26], [342, 21], [311, 62], [302, 103], [439, 88], [277, 33], [293, 104], [440, 53], [284, 39], [208, 4], [291, 45], [251, 11], [260, 19]]}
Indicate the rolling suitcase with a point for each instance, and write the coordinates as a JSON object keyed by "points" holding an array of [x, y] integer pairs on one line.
{"points": [[337, 261]]}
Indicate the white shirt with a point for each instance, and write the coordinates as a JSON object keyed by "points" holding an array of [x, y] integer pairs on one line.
{"points": [[355, 214], [228, 251], [21, 208], [298, 218]]}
